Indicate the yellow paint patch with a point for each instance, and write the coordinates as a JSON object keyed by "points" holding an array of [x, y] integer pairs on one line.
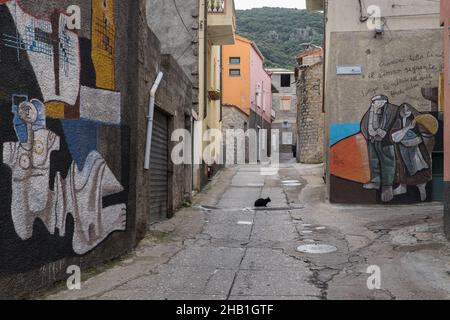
{"points": [[55, 109], [103, 43]]}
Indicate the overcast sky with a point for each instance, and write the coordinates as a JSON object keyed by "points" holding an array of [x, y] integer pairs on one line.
{"points": [[248, 4]]}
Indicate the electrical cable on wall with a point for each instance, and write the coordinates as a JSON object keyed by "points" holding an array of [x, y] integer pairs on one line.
{"points": [[187, 29], [181, 18], [362, 17]]}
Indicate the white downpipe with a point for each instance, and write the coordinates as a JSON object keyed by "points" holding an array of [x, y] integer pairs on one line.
{"points": [[151, 111]]}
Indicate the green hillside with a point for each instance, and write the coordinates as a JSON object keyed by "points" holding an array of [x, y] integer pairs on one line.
{"points": [[279, 32]]}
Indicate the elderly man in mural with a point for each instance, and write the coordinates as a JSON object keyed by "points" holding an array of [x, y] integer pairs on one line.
{"points": [[376, 126], [414, 134]]}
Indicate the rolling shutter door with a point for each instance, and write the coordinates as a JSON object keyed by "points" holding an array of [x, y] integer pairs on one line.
{"points": [[159, 184]]}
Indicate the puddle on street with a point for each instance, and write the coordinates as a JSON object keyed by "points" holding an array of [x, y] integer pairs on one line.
{"points": [[316, 248]]}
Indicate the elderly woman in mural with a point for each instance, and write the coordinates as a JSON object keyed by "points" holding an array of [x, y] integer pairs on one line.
{"points": [[413, 134]]}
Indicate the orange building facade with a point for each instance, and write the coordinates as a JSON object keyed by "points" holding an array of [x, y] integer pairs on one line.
{"points": [[246, 84], [236, 74]]}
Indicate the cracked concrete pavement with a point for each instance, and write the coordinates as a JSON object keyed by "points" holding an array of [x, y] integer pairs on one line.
{"points": [[222, 249]]}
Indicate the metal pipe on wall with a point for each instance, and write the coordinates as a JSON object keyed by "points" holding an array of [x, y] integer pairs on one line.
{"points": [[151, 112]]}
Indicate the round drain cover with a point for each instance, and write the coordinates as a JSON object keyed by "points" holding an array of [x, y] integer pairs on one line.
{"points": [[317, 248]]}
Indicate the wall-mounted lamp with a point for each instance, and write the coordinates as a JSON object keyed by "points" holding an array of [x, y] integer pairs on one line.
{"points": [[379, 31]]}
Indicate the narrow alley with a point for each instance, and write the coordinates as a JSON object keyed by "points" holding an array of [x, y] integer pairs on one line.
{"points": [[223, 249], [225, 150]]}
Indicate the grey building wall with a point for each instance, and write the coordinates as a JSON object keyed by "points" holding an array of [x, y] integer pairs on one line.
{"points": [[175, 98], [285, 121], [178, 34], [256, 121], [310, 114]]}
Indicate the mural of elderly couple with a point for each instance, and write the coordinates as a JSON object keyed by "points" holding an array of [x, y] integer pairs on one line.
{"points": [[58, 105], [388, 157]]}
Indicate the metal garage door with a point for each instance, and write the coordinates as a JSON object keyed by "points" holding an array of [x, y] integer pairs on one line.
{"points": [[159, 192]]}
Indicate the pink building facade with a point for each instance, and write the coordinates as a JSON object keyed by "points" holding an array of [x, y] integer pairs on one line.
{"points": [[260, 86], [260, 99]]}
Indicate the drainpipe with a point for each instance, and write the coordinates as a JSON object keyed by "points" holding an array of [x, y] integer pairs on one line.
{"points": [[151, 111]]}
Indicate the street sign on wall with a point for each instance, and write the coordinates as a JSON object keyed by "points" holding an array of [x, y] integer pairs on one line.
{"points": [[348, 70]]}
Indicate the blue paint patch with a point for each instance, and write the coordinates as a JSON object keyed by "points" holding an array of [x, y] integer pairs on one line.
{"points": [[19, 125], [340, 131], [81, 138]]}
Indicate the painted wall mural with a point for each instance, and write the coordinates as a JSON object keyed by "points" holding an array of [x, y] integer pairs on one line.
{"points": [[388, 159], [58, 195], [103, 42]]}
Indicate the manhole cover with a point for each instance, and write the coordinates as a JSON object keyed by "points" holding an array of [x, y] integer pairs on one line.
{"points": [[291, 183], [316, 248], [245, 223], [257, 185]]}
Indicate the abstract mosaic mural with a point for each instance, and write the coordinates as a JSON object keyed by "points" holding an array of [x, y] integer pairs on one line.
{"points": [[389, 158], [57, 188]]}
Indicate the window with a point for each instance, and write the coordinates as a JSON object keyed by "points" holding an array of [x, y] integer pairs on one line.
{"points": [[285, 104], [235, 60], [285, 80], [286, 125], [235, 72], [258, 95], [287, 138]]}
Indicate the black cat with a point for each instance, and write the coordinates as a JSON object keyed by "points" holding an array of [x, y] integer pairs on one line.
{"points": [[262, 202]]}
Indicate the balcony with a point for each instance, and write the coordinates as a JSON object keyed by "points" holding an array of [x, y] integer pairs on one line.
{"points": [[221, 22]]}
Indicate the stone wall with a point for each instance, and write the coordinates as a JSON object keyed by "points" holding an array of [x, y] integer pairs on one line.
{"points": [[310, 114], [234, 119]]}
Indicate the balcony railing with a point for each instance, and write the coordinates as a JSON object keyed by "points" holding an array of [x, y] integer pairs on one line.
{"points": [[216, 6]]}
